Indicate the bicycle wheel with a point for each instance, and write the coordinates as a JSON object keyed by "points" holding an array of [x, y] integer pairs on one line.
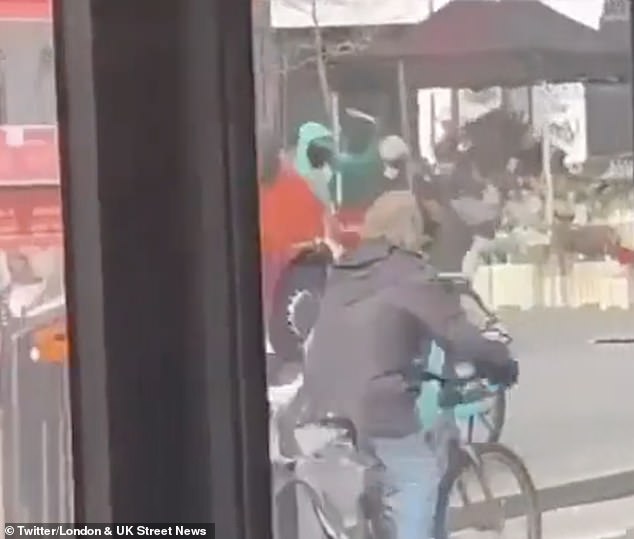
{"points": [[485, 424], [326, 521], [486, 493], [295, 308]]}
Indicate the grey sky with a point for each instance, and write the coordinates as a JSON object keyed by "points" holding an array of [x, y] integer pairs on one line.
{"points": [[290, 13], [585, 11]]}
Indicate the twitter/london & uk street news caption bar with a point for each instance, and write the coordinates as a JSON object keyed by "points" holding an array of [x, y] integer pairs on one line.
{"points": [[130, 530]]}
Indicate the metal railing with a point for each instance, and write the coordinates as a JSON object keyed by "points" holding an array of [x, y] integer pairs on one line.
{"points": [[37, 481]]}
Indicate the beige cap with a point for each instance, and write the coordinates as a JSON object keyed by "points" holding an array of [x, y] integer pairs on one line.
{"points": [[395, 217]]}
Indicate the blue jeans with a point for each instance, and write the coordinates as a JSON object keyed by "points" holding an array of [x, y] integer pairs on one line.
{"points": [[410, 482]]}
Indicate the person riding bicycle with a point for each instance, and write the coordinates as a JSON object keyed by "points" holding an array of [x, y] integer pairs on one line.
{"points": [[383, 307]]}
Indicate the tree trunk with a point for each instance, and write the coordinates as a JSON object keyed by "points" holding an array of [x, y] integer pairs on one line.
{"points": [[267, 72], [322, 70]]}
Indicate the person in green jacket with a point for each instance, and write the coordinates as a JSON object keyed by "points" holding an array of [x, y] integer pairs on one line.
{"points": [[318, 161]]}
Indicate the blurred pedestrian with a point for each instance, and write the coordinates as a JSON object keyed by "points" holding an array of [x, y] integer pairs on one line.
{"points": [[25, 288]]}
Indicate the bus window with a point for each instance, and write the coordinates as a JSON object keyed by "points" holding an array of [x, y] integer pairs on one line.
{"points": [[37, 478], [444, 169]]}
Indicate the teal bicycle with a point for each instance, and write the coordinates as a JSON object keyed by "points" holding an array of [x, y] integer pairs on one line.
{"points": [[486, 490], [481, 420]]}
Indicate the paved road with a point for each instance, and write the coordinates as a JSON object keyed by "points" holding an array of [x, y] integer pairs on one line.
{"points": [[572, 417]]}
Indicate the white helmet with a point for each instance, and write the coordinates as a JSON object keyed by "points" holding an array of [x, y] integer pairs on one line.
{"points": [[393, 148]]}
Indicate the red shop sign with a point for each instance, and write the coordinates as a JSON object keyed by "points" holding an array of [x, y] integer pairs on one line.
{"points": [[30, 216], [28, 155], [26, 10], [30, 203]]}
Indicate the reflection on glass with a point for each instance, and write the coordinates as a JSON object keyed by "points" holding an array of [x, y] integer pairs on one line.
{"points": [[447, 198], [36, 457]]}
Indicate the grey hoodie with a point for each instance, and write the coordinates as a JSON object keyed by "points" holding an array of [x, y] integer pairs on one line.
{"points": [[381, 310]]}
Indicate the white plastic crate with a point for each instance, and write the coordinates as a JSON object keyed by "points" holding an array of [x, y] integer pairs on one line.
{"points": [[507, 285], [601, 283]]}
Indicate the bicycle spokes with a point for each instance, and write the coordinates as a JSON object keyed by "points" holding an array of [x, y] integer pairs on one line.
{"points": [[481, 425], [487, 503], [484, 419]]}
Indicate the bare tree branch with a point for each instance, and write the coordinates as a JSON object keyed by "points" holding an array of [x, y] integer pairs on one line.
{"points": [[321, 64], [327, 43], [303, 54]]}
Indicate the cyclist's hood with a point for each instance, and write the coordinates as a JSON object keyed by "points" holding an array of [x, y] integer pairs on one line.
{"points": [[366, 254], [318, 179], [373, 266]]}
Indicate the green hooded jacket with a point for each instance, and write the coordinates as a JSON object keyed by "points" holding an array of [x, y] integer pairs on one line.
{"points": [[360, 172]]}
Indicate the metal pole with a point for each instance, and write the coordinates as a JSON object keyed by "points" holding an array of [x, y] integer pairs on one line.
{"points": [[62, 515], [556, 277], [66, 440], [61, 472], [6, 351], [531, 105], [3, 470], [432, 122], [16, 457], [284, 104], [402, 93], [336, 129], [432, 99], [46, 509], [455, 108], [548, 177]]}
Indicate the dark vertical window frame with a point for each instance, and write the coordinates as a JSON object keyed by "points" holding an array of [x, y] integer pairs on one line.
{"points": [[77, 128], [158, 160], [224, 134]]}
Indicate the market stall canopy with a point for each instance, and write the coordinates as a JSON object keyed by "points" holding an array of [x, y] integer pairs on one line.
{"points": [[479, 43], [26, 10]]}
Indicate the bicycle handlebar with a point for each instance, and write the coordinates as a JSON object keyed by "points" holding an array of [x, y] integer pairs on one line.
{"points": [[453, 396], [454, 391], [463, 285]]}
